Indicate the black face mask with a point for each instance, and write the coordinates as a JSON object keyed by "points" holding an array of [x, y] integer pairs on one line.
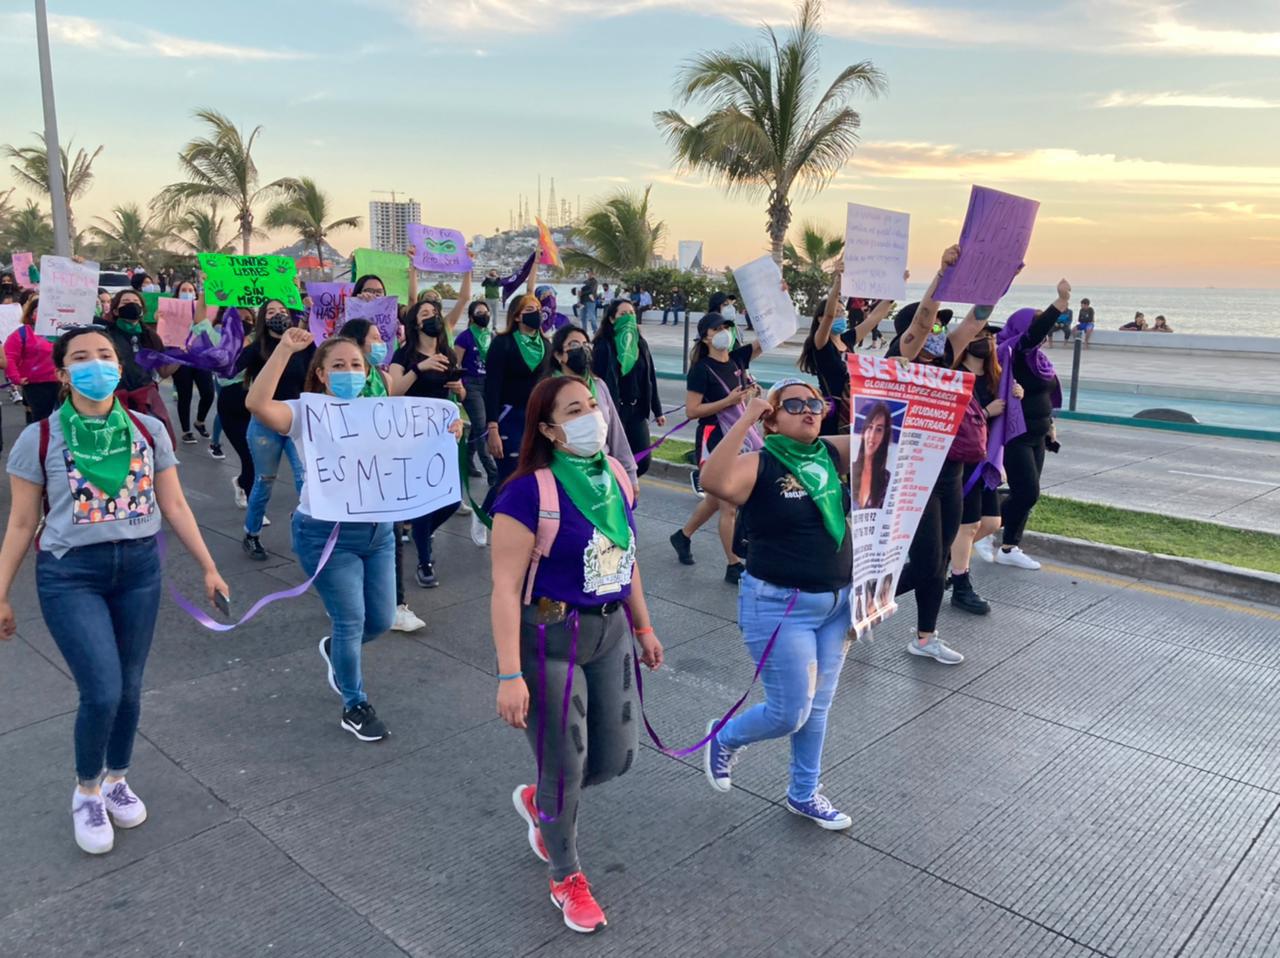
{"points": [[531, 320], [130, 311], [980, 348], [278, 324], [430, 327], [481, 319], [578, 360]]}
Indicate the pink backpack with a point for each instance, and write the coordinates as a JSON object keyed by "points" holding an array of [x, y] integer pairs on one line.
{"points": [[549, 516]]}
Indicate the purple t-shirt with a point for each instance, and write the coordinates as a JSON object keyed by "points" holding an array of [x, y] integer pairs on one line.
{"points": [[585, 568], [472, 364]]}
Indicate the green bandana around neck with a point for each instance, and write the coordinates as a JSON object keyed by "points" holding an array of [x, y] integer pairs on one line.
{"points": [[532, 348], [133, 329], [811, 464], [593, 489], [627, 338], [483, 335], [375, 387], [102, 448], [588, 378]]}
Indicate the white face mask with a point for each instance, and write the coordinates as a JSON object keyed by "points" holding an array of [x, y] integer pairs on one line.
{"points": [[722, 339], [585, 436], [728, 311]]}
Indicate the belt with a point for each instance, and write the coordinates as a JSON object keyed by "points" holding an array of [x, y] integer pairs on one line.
{"points": [[552, 610]]}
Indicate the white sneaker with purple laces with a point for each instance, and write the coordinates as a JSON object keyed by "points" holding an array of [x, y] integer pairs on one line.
{"points": [[94, 833], [124, 807]]}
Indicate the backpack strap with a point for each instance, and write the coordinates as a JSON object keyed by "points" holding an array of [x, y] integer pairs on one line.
{"points": [[624, 480], [548, 525]]}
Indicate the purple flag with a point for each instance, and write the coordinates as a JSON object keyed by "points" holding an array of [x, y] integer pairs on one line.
{"points": [[382, 312], [993, 245], [201, 352], [439, 250], [327, 301]]}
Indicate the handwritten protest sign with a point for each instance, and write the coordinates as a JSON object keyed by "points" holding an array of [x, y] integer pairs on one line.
{"points": [[904, 420], [173, 320], [10, 320], [68, 294], [328, 303], [690, 255], [993, 246], [548, 252], [439, 250], [378, 460], [249, 280], [382, 312], [875, 253], [772, 312], [22, 263], [391, 268]]}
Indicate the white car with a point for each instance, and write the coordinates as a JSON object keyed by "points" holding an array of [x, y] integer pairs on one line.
{"points": [[113, 281]]}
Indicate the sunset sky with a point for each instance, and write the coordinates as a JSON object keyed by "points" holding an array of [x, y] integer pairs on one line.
{"points": [[1149, 130]]}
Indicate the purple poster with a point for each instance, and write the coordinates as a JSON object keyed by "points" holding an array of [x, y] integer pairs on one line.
{"points": [[993, 246], [383, 313], [439, 250], [327, 301]]}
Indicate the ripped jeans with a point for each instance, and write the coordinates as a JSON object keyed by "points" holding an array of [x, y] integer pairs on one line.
{"points": [[800, 676], [266, 446]]}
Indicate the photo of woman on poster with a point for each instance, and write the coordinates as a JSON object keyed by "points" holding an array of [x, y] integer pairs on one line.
{"points": [[874, 436]]}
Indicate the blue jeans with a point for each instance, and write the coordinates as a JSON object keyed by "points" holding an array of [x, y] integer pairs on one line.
{"points": [[357, 587], [100, 604], [800, 676], [589, 317], [266, 446]]}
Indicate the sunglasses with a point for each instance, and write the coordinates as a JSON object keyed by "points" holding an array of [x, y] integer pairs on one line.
{"points": [[796, 406]]}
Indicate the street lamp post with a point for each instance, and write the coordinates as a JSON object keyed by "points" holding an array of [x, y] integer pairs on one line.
{"points": [[57, 195]]}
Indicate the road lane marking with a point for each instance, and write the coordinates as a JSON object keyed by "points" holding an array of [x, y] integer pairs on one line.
{"points": [[1206, 475]]}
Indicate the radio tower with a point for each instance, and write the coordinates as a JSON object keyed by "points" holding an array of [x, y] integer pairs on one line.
{"points": [[553, 208]]}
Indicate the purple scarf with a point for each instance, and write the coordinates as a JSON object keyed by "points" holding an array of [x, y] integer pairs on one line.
{"points": [[200, 351]]}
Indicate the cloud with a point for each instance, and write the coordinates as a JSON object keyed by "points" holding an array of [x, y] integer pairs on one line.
{"points": [[1191, 100], [1067, 220], [95, 35], [1168, 34], [1234, 210]]}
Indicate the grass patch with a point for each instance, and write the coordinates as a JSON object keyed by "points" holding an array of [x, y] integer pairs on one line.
{"points": [[675, 450]]}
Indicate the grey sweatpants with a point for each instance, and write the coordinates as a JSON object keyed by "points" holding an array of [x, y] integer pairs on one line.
{"points": [[602, 733]]}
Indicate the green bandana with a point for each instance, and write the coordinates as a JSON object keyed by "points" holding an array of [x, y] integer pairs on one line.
{"points": [[374, 385], [812, 466], [593, 489], [483, 336], [532, 348], [131, 328], [101, 448], [627, 339], [590, 380]]}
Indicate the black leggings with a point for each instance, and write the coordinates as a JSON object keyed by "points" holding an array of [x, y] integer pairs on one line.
{"points": [[635, 423], [41, 399], [1023, 463], [202, 380], [235, 426], [926, 570]]}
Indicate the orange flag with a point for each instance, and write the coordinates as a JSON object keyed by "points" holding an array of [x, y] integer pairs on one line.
{"points": [[549, 253]]}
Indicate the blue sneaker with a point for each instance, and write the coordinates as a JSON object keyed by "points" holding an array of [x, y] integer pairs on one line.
{"points": [[718, 762], [819, 809]]}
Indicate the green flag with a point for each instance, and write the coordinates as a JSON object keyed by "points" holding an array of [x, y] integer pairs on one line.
{"points": [[391, 268]]}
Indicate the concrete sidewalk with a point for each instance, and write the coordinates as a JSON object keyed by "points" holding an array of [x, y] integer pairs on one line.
{"points": [[1098, 778]]}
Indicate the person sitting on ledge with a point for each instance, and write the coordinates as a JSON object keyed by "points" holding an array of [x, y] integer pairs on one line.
{"points": [[1138, 325], [1161, 326]]}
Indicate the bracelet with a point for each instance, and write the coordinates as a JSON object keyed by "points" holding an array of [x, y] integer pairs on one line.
{"points": [[647, 630], [511, 677]]}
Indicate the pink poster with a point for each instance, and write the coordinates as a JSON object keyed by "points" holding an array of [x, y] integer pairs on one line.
{"points": [[173, 320], [22, 263]]}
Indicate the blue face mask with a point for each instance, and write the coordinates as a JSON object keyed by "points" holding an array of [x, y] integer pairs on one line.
{"points": [[95, 379], [935, 344], [840, 326], [378, 353], [346, 384]]}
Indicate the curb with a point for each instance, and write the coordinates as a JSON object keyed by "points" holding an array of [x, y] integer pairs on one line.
{"points": [[1224, 580]]}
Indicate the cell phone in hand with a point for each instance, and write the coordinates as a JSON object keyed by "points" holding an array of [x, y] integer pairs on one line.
{"points": [[222, 602]]}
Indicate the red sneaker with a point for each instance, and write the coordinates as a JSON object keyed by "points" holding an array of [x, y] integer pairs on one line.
{"points": [[522, 798], [573, 897]]}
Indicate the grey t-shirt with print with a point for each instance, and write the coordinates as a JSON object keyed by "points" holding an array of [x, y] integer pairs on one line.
{"points": [[80, 514]]}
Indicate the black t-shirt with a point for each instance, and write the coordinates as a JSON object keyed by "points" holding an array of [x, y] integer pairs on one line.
{"points": [[709, 377], [1086, 315], [508, 379], [833, 373], [292, 379], [427, 385], [132, 376], [788, 545]]}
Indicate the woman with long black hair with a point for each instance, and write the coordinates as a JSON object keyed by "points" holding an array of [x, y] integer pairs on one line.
{"points": [[869, 475], [138, 389], [233, 416], [517, 360], [622, 361]]}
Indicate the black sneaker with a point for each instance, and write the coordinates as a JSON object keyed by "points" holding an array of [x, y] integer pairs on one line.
{"points": [[326, 653], [683, 546], [965, 598], [199, 427], [215, 450], [189, 438], [253, 547], [404, 535], [426, 576], [733, 573], [695, 483], [363, 722]]}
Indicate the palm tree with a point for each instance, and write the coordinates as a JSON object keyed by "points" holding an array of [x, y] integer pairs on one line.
{"points": [[305, 209], [817, 249], [128, 236], [770, 127], [220, 169], [616, 236], [30, 230], [200, 231], [31, 166]]}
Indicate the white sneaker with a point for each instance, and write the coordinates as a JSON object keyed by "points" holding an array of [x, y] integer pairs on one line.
{"points": [[1016, 558], [479, 531], [464, 509], [265, 522], [242, 501], [124, 807], [406, 621], [94, 833], [937, 650], [985, 549]]}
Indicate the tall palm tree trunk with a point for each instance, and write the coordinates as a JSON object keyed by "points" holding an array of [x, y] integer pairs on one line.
{"points": [[779, 223]]}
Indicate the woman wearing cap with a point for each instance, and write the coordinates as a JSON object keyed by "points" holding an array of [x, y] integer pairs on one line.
{"points": [[795, 510], [622, 360], [719, 385]]}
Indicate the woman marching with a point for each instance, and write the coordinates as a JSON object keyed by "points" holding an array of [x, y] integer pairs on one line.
{"points": [[517, 360], [622, 361], [571, 639], [103, 477], [571, 355], [138, 390], [29, 363], [233, 416], [187, 378], [719, 386], [471, 347], [795, 590]]}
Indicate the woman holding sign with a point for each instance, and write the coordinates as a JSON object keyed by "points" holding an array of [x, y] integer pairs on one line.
{"points": [[622, 360], [793, 607], [105, 477], [570, 640]]}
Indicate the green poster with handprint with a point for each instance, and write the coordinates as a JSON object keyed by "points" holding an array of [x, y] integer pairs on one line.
{"points": [[249, 281]]}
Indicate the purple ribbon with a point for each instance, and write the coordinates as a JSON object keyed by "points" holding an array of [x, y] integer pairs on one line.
{"points": [[574, 625], [665, 436], [213, 625]]}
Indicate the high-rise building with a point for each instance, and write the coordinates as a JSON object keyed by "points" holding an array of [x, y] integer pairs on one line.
{"points": [[553, 208], [387, 222]]}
